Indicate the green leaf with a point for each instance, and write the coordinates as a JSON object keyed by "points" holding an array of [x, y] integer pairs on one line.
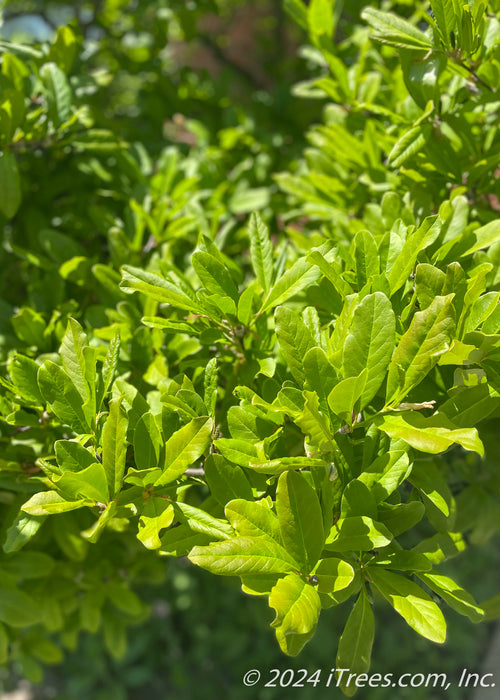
{"points": [[134, 279], [333, 574], [184, 447], [49, 502], [456, 597], [226, 481], [404, 560], [442, 546], [23, 372], [115, 637], [366, 258], [94, 532], [356, 641], [470, 406], [386, 473], [214, 276], [22, 50], [428, 479], [114, 446], [253, 519], [108, 370], [320, 17], [23, 528], [179, 540], [261, 251], [166, 324], [391, 29], [357, 499], [345, 397], [415, 243], [409, 144], [62, 396], [479, 311], [259, 584], [4, 645], [485, 236], [445, 18], [63, 49], [475, 287], [18, 609], [429, 336], [73, 359], [341, 329], [250, 423], [57, 92], [357, 533], [432, 435], [123, 598], [331, 273], [410, 601], [294, 339], [297, 11], [300, 518], [133, 402], [202, 522], [301, 275], [30, 327], [320, 375], [401, 517], [370, 343], [491, 608], [210, 383], [247, 200], [43, 649], [28, 565], [244, 555], [147, 442], [314, 424], [10, 185], [297, 606], [72, 456], [246, 304], [429, 283], [239, 452], [88, 483], [458, 354]]}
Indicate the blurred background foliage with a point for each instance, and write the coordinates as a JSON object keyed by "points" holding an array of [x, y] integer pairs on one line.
{"points": [[184, 113], [203, 636]]}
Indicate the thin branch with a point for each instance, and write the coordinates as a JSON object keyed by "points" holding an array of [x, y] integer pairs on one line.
{"points": [[194, 471], [227, 61], [476, 77]]}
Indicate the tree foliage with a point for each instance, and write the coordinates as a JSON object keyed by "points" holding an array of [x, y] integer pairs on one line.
{"points": [[282, 366]]}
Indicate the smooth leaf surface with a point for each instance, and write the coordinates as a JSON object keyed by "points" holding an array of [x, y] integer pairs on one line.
{"points": [[412, 603], [261, 251], [184, 447], [243, 555], [300, 518], [356, 641], [357, 533], [114, 450], [62, 396], [297, 607], [429, 336], [370, 343], [333, 574], [253, 519], [427, 435]]}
